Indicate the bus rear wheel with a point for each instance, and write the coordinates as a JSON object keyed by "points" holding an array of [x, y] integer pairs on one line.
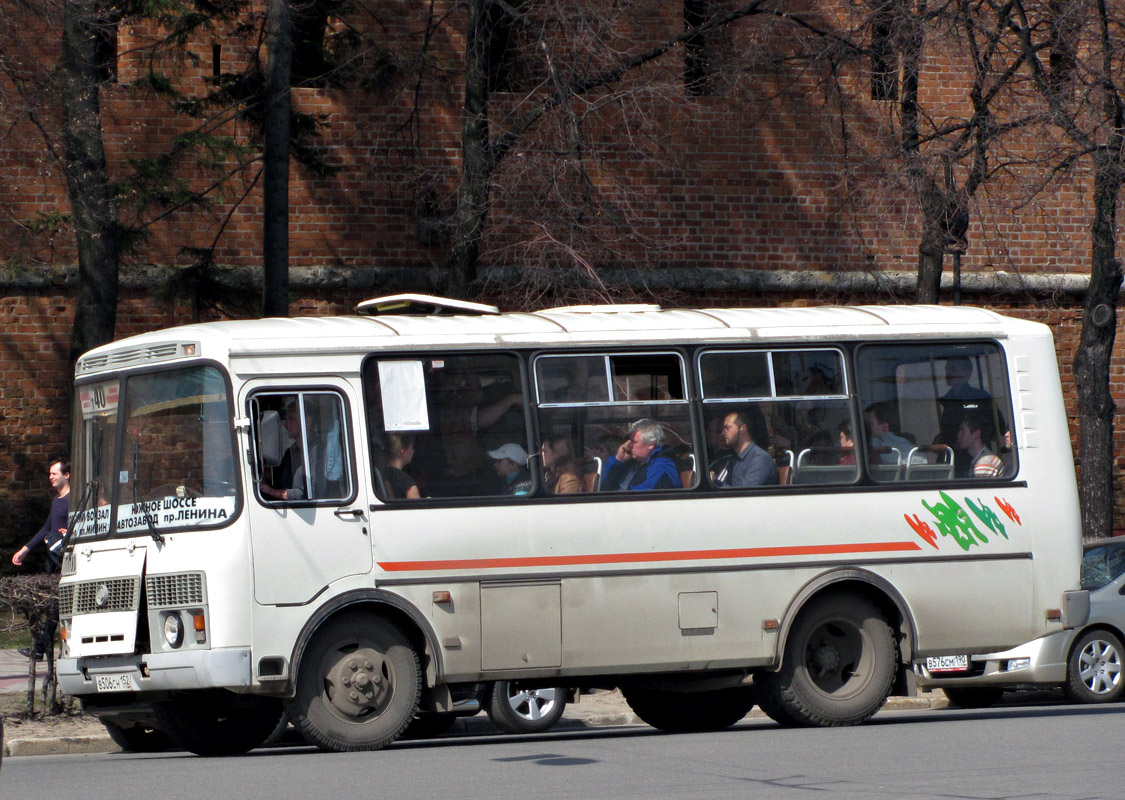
{"points": [[838, 668], [687, 712], [218, 723], [357, 686]]}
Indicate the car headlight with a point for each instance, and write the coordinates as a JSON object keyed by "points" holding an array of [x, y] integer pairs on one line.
{"points": [[173, 629], [1018, 663]]}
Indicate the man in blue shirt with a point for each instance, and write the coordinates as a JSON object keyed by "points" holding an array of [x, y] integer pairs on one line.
{"points": [[751, 465], [642, 462]]}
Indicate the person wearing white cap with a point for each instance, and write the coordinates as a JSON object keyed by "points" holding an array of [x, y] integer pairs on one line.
{"points": [[510, 461]]}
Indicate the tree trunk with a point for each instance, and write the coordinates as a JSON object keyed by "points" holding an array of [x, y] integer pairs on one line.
{"points": [[931, 256], [1095, 350], [476, 155], [92, 209], [275, 156]]}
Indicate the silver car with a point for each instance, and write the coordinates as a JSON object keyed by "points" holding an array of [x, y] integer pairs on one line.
{"points": [[1086, 662]]}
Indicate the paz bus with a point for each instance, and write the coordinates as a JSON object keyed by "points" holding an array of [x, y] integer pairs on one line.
{"points": [[239, 550]]}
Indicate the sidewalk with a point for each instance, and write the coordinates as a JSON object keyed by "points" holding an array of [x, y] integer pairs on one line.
{"points": [[602, 709], [13, 671]]}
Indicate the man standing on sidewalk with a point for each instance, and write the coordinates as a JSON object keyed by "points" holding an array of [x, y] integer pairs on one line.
{"points": [[50, 536]]}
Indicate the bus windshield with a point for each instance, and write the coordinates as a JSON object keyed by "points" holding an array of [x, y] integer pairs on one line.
{"points": [[169, 466]]}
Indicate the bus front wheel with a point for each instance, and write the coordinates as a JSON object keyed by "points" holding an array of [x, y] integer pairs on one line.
{"points": [[838, 668], [357, 686]]}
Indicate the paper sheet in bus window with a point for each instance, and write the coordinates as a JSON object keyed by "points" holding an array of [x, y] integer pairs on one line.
{"points": [[402, 386]]}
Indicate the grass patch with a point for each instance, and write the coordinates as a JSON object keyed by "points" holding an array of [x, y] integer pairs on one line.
{"points": [[13, 631], [14, 704]]}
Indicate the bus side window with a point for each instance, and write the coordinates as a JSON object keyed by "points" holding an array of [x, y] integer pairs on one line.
{"points": [[774, 418], [944, 408], [301, 447], [591, 408], [456, 411]]}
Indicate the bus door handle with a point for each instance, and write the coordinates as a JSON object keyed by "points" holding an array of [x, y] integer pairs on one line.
{"points": [[354, 513]]}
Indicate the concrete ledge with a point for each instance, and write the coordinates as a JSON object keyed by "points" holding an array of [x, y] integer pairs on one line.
{"points": [[64, 745], [985, 282]]}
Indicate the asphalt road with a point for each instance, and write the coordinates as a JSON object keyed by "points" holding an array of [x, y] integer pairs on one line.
{"points": [[1063, 752]]}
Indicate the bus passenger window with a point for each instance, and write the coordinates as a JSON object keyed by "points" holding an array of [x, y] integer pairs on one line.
{"points": [[458, 412], [943, 410], [623, 425], [774, 418]]}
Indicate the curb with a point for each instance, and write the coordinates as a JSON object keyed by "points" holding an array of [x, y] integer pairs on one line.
{"points": [[62, 746], [76, 745]]}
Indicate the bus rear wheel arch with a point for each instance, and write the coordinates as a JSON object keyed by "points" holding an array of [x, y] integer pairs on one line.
{"points": [[357, 686], [839, 664]]}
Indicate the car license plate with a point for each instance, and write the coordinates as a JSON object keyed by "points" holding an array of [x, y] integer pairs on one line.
{"points": [[118, 682], [947, 663]]}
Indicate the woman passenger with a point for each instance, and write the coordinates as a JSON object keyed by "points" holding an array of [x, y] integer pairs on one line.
{"points": [[400, 448], [560, 466]]}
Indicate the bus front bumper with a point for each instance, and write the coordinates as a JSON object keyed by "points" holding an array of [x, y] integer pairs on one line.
{"points": [[1040, 662], [155, 672]]}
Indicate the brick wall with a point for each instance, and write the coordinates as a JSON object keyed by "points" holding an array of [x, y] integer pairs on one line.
{"points": [[779, 168]]}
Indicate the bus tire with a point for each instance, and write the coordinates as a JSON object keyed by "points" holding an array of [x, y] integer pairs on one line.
{"points": [[689, 712], [357, 686], [137, 738], [517, 709], [839, 665], [218, 723]]}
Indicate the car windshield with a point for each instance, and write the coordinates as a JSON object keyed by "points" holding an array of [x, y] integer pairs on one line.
{"points": [[1101, 564], [172, 467]]}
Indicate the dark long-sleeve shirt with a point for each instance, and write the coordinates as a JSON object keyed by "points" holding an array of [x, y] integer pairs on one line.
{"points": [[52, 532]]}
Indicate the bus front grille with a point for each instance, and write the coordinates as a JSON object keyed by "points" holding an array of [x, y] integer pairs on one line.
{"points": [[176, 589], [92, 597]]}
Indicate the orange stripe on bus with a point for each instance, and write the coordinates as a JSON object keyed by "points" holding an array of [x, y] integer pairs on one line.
{"points": [[626, 558]]}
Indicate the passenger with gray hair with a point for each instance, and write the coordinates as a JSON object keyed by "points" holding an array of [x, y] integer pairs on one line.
{"points": [[643, 462]]}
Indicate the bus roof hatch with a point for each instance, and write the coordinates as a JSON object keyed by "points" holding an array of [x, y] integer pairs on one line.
{"points": [[421, 304]]}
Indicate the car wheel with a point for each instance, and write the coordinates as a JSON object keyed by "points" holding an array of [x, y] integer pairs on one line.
{"points": [[1094, 668], [838, 668], [973, 696], [516, 709]]}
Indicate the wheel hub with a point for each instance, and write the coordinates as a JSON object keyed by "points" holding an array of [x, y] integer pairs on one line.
{"points": [[825, 658], [359, 684]]}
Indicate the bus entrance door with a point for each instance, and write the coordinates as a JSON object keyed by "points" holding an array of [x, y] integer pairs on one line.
{"points": [[309, 514]]}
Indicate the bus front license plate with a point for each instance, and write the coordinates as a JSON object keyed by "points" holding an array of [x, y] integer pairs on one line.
{"points": [[947, 663], [120, 682]]}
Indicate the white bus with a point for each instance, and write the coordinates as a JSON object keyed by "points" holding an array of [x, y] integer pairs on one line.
{"points": [[304, 515]]}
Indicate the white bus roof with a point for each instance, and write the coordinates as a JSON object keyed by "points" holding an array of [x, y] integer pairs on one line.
{"points": [[575, 326]]}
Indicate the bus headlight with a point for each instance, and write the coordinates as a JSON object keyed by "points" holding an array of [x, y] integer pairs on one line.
{"points": [[173, 630]]}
